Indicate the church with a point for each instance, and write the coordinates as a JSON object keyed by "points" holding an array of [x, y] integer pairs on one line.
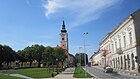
{"points": [[70, 61]]}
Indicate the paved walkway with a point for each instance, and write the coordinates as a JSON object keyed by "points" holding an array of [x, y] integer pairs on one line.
{"points": [[67, 74], [5, 72], [19, 75]]}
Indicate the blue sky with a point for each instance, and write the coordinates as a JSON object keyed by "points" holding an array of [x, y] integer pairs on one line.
{"points": [[27, 22]]}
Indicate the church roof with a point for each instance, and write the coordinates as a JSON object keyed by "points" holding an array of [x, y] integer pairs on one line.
{"points": [[63, 27]]}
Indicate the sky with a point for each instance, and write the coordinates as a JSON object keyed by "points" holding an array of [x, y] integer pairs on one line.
{"points": [[27, 22]]}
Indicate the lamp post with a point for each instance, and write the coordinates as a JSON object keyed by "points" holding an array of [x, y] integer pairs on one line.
{"points": [[85, 50], [57, 65]]}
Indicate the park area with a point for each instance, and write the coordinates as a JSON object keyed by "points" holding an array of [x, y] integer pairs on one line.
{"points": [[32, 72], [42, 73]]}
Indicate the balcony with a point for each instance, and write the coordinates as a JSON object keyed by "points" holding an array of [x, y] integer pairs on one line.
{"points": [[119, 51]]}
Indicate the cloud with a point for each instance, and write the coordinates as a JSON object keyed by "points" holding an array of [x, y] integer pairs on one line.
{"points": [[80, 11]]}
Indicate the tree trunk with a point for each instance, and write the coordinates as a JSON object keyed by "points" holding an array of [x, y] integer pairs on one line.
{"points": [[21, 64], [0, 64], [53, 67], [39, 63], [30, 63], [7, 65], [62, 66]]}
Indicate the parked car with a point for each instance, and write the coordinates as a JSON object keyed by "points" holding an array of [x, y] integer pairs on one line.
{"points": [[108, 69], [95, 64]]}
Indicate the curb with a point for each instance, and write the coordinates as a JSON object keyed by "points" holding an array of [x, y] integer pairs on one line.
{"points": [[93, 76]]}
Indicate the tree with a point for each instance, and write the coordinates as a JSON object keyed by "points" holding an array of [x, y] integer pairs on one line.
{"points": [[2, 56], [59, 54], [29, 54], [20, 55], [10, 54], [37, 51], [48, 55], [53, 56], [7, 54], [80, 58]]}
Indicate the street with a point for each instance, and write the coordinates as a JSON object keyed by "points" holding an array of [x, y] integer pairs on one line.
{"points": [[99, 74]]}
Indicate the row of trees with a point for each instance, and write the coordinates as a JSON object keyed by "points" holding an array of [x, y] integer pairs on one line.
{"points": [[42, 54], [36, 52]]}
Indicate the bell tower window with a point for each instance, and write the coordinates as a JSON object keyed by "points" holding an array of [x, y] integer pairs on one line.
{"points": [[62, 38]]}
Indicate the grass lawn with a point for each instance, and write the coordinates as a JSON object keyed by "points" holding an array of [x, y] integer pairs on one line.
{"points": [[35, 72], [80, 73], [8, 77]]}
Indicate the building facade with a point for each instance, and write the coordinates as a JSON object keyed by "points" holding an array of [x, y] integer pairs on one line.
{"points": [[120, 49]]}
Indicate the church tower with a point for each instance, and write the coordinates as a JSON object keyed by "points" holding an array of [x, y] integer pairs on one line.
{"points": [[64, 37]]}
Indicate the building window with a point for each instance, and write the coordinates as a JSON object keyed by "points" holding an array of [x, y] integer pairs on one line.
{"points": [[130, 38], [121, 62], [124, 39], [62, 38], [124, 62], [128, 61], [115, 63], [109, 47], [112, 48], [132, 61], [116, 45], [120, 43], [118, 62]]}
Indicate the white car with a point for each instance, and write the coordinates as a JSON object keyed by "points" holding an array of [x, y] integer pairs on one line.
{"points": [[108, 69]]}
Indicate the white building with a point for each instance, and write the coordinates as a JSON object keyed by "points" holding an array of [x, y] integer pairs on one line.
{"points": [[124, 42], [120, 47]]}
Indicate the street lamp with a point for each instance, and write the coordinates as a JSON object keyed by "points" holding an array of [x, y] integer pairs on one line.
{"points": [[57, 65], [85, 49]]}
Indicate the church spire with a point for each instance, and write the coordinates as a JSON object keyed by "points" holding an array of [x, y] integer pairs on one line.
{"points": [[63, 27]]}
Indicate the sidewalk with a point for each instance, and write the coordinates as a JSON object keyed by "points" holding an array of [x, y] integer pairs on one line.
{"points": [[67, 74], [128, 73], [123, 72]]}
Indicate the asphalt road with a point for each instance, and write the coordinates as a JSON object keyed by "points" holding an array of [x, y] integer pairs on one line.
{"points": [[99, 74]]}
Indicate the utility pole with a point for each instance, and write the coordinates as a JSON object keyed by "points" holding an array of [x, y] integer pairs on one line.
{"points": [[85, 51]]}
